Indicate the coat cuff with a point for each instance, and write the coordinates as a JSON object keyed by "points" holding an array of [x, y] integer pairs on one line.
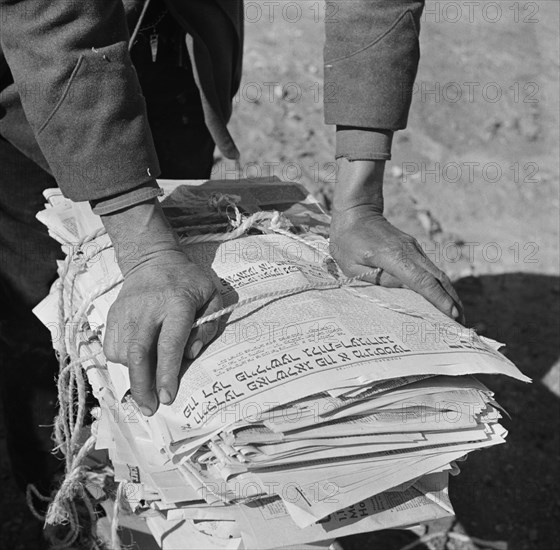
{"points": [[120, 201], [363, 143]]}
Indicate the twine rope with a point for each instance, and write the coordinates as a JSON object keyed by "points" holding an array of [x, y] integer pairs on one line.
{"points": [[71, 382]]}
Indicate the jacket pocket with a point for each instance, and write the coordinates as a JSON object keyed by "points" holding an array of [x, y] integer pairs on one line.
{"points": [[405, 22], [98, 74], [64, 95]]}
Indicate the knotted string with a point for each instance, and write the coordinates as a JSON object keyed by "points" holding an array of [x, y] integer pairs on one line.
{"points": [[72, 378]]}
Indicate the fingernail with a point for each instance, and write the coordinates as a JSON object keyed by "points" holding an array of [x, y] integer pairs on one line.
{"points": [[195, 349], [146, 411], [164, 396], [455, 312]]}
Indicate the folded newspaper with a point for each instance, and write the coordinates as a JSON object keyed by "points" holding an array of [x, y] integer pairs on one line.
{"points": [[325, 406]]}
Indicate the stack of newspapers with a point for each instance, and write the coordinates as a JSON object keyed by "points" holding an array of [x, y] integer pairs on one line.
{"points": [[320, 410]]}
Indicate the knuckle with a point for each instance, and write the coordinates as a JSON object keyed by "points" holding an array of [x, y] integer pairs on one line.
{"points": [[136, 390], [426, 263], [167, 366], [370, 256], [165, 380], [424, 280], [177, 305], [409, 241], [177, 300], [169, 341], [136, 353], [405, 252], [136, 348], [140, 381]]}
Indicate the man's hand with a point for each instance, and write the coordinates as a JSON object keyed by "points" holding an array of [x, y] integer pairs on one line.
{"points": [[149, 325], [362, 239]]}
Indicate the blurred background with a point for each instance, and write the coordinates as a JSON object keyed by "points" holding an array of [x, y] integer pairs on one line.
{"points": [[475, 178]]}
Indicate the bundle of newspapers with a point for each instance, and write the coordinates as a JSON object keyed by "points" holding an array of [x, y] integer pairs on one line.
{"points": [[320, 410]]}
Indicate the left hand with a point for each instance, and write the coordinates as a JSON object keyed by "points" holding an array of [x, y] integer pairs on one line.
{"points": [[362, 239]]}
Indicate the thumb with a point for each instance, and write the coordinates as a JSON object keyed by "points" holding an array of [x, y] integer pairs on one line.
{"points": [[203, 334]]}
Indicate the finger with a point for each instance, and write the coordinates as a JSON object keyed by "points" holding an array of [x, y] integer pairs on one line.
{"points": [[114, 341], [203, 334], [459, 315], [430, 287], [370, 275], [140, 367], [448, 286], [424, 283], [387, 280], [172, 340], [445, 281]]}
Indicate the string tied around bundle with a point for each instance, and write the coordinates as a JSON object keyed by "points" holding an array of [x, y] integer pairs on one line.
{"points": [[72, 384]]}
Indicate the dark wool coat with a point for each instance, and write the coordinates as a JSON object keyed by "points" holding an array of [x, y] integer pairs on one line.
{"points": [[70, 98]]}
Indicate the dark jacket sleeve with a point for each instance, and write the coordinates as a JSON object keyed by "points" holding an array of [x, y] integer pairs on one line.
{"points": [[371, 58], [86, 111]]}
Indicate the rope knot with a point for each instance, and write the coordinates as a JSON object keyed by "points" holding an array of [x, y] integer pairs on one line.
{"points": [[78, 257], [217, 201], [278, 221]]}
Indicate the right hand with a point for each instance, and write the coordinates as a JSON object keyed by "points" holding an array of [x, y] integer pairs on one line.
{"points": [[149, 326], [362, 239]]}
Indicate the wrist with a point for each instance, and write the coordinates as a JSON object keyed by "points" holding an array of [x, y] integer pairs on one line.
{"points": [[359, 184], [359, 143], [145, 192], [139, 232]]}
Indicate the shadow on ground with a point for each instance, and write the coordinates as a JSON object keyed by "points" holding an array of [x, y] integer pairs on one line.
{"points": [[511, 492]]}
